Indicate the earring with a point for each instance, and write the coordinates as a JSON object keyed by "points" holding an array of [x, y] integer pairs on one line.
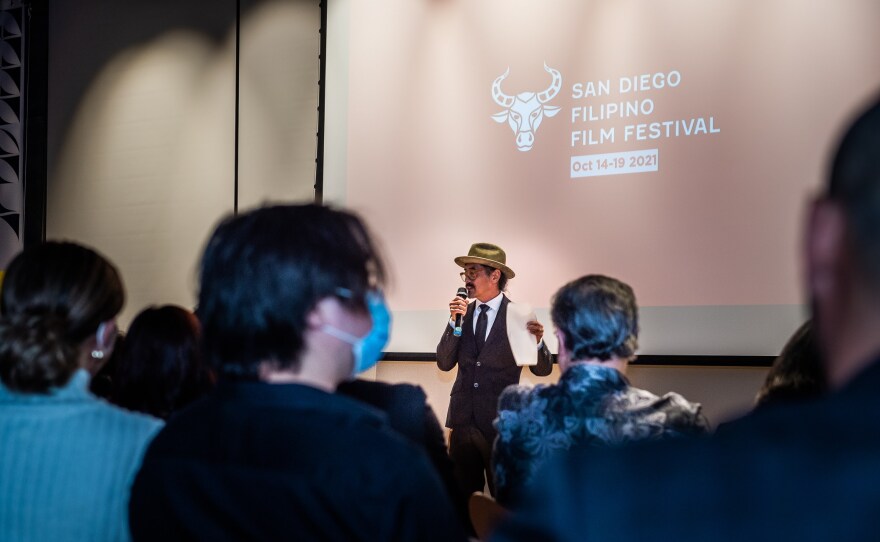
{"points": [[98, 353]]}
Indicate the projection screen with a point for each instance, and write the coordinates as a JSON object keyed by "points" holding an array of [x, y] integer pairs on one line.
{"points": [[672, 145]]}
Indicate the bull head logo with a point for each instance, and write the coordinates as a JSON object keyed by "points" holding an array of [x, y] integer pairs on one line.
{"points": [[525, 111]]}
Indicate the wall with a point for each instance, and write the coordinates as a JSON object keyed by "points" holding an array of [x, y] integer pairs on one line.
{"points": [[142, 131]]}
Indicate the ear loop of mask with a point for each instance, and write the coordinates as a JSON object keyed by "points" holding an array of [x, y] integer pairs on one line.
{"points": [[339, 334], [367, 350]]}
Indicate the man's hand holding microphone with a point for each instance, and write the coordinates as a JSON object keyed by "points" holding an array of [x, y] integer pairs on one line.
{"points": [[458, 308]]}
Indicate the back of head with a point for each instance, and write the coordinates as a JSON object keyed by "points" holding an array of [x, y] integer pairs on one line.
{"points": [[598, 318], [855, 185], [160, 369], [55, 295], [797, 373], [262, 273]]}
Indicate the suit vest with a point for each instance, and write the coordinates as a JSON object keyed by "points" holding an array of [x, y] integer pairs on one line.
{"points": [[481, 377]]}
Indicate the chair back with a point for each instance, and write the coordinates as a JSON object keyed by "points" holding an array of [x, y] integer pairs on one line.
{"points": [[485, 514]]}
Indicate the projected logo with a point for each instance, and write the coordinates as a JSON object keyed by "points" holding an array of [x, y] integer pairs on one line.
{"points": [[525, 111]]}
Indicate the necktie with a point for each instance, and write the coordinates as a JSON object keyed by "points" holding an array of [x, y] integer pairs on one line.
{"points": [[482, 324]]}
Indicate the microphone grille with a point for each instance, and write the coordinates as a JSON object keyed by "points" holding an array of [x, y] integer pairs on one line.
{"points": [[462, 292]]}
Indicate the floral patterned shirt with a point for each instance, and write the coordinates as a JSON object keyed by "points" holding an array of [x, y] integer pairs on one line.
{"points": [[590, 405]]}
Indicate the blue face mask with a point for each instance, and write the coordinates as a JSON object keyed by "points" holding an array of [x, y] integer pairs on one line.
{"points": [[367, 349]]}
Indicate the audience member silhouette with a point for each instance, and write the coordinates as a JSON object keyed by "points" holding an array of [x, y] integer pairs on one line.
{"points": [[290, 307], [796, 376], [806, 472], [69, 458], [596, 320], [797, 373], [160, 367], [410, 415]]}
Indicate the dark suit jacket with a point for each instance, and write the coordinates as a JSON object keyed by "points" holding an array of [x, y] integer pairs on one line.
{"points": [[256, 461], [807, 472], [481, 378]]}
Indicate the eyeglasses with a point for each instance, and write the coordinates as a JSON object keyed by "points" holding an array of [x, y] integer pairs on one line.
{"points": [[347, 296], [469, 274]]}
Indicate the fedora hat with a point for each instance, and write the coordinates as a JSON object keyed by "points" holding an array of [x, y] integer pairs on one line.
{"points": [[487, 254]]}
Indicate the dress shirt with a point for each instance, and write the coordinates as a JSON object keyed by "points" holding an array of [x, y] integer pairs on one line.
{"points": [[491, 313]]}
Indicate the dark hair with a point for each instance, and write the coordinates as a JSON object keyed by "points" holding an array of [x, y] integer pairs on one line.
{"points": [[54, 296], [855, 184], [797, 373], [160, 369], [264, 271], [598, 318], [502, 282]]}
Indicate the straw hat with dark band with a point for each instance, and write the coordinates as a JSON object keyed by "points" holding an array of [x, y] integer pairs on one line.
{"points": [[487, 254]]}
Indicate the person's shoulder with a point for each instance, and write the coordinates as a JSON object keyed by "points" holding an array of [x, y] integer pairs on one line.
{"points": [[118, 435], [284, 427], [404, 404], [381, 448], [373, 391], [360, 423], [656, 416], [517, 396], [522, 407], [682, 411], [635, 399], [126, 420]]}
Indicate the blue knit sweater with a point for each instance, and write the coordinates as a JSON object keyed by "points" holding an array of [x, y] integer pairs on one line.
{"points": [[67, 461]]}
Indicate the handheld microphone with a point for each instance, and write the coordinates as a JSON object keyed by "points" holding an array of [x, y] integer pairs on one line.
{"points": [[462, 293]]}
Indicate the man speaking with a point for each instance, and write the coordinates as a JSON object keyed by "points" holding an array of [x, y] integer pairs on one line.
{"points": [[485, 362]]}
